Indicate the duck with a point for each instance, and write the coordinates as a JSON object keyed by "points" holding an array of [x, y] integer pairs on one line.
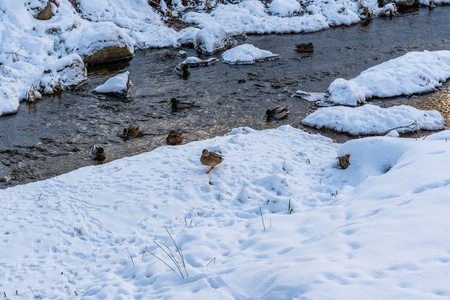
{"points": [[180, 104], [131, 132], [174, 137], [98, 153], [304, 48], [276, 113], [183, 71], [210, 159]]}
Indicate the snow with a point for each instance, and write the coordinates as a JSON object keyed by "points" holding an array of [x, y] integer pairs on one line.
{"points": [[371, 119], [193, 61], [414, 72], [117, 84], [310, 96], [251, 17], [284, 8], [276, 220], [246, 54], [376, 230]]}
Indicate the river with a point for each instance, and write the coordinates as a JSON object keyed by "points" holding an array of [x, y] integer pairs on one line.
{"points": [[53, 136]]}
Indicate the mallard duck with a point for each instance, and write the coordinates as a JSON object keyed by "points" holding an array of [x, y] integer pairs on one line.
{"points": [[210, 159], [174, 137], [304, 48], [98, 153], [180, 104], [131, 132], [183, 70], [276, 113]]}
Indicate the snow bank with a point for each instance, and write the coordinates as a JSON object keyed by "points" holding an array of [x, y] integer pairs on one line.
{"points": [[376, 230], [250, 17], [246, 54], [414, 72], [371, 119]]}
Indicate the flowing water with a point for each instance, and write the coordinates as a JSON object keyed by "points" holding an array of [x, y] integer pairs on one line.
{"points": [[53, 136]]}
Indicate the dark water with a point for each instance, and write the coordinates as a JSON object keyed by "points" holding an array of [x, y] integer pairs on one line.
{"points": [[53, 136]]}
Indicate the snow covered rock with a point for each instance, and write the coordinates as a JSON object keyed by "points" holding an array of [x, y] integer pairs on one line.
{"points": [[42, 9], [67, 72], [9, 101], [99, 42], [246, 54], [284, 8], [414, 72], [371, 119], [212, 38], [117, 85], [193, 62]]}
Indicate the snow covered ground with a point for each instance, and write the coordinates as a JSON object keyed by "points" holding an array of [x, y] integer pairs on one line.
{"points": [[376, 230], [276, 220], [414, 72], [371, 119]]}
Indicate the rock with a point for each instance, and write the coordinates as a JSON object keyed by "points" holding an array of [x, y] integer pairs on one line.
{"points": [[304, 48], [112, 44], [212, 39], [109, 53], [46, 12], [118, 85], [71, 71], [193, 62], [65, 73], [344, 161], [154, 3], [401, 4]]}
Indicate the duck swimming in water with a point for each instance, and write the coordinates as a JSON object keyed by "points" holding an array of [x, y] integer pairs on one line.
{"points": [[174, 137], [183, 71], [180, 104], [131, 132], [276, 113], [98, 153]]}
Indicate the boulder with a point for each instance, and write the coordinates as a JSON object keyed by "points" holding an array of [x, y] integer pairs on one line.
{"points": [[108, 53], [65, 73], [46, 12], [99, 42], [194, 62], [118, 85], [213, 38], [344, 161]]}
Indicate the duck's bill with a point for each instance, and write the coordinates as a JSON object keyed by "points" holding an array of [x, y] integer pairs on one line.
{"points": [[265, 116]]}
